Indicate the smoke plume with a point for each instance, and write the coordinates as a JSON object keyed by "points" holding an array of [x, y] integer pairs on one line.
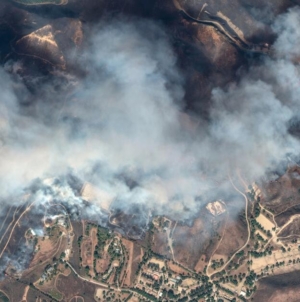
{"points": [[123, 127]]}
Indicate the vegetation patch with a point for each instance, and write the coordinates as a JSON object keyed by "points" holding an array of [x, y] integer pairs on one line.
{"points": [[55, 294], [3, 297]]}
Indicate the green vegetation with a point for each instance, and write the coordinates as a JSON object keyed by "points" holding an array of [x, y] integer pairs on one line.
{"points": [[202, 291], [102, 235], [142, 293], [251, 194], [153, 266], [114, 250], [171, 294], [256, 211], [216, 264], [240, 254], [251, 279], [254, 224], [260, 238], [184, 299], [243, 299], [226, 290], [3, 297], [79, 241], [62, 257], [55, 294]]}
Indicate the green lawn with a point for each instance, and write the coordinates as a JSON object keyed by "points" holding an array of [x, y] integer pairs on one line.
{"points": [[55, 294]]}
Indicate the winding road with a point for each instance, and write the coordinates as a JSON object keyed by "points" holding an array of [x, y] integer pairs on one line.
{"points": [[227, 30], [248, 237]]}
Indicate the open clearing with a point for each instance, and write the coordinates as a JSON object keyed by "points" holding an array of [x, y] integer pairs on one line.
{"points": [[102, 265], [47, 248], [265, 222], [201, 264], [99, 293], [157, 261], [134, 299], [188, 282], [277, 256], [176, 268]]}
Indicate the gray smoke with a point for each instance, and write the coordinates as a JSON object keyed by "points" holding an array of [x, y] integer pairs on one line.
{"points": [[123, 129]]}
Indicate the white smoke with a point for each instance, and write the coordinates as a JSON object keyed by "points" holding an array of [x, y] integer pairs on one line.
{"points": [[124, 122]]}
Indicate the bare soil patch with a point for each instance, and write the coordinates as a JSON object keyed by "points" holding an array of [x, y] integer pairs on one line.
{"points": [[200, 238], [265, 222], [177, 269], [86, 252], [234, 237], [292, 229], [284, 217], [12, 289], [102, 265], [279, 288], [73, 286], [160, 243], [201, 264], [46, 249], [283, 193], [188, 282], [134, 299]]}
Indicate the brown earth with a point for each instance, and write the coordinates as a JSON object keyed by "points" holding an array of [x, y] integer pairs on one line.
{"points": [[200, 238], [78, 231], [176, 268], [47, 248], [73, 286], [102, 265], [13, 289], [160, 243], [279, 288], [292, 229], [201, 264], [136, 259], [41, 44], [283, 193], [284, 217], [235, 235], [205, 56], [86, 252]]}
